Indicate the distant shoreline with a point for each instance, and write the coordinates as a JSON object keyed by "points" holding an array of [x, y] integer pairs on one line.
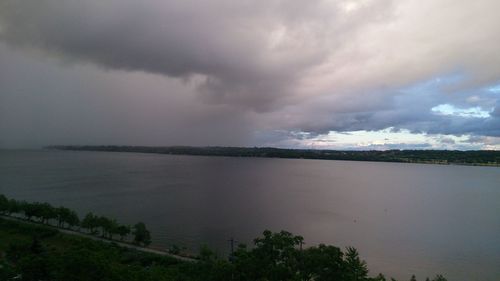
{"points": [[442, 157]]}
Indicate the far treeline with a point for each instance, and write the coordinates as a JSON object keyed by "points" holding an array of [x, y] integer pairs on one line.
{"points": [[475, 157], [63, 217]]}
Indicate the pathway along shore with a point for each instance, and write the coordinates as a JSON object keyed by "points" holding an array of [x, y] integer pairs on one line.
{"points": [[119, 243]]}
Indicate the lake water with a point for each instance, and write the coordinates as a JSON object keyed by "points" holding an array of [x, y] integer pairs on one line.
{"points": [[403, 218]]}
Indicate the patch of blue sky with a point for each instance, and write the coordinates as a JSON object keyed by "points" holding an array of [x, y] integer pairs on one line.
{"points": [[451, 110], [432, 95], [495, 89], [434, 84], [429, 93]]}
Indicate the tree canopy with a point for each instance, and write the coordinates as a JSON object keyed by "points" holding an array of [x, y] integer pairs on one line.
{"points": [[36, 252]]}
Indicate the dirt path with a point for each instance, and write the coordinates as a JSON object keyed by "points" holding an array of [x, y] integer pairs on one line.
{"points": [[121, 244]]}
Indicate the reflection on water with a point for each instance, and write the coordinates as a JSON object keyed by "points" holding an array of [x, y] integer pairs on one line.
{"points": [[404, 218]]}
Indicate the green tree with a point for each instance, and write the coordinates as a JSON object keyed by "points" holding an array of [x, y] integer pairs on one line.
{"points": [[380, 277], [141, 234], [439, 277], [62, 215], [123, 231], [72, 219], [323, 262], [113, 228], [275, 257], [14, 207], [4, 204], [29, 209], [90, 222], [105, 224], [66, 216], [356, 268], [46, 212]]}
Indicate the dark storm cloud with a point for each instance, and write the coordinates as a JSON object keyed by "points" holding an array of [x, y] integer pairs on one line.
{"points": [[222, 70], [234, 46], [42, 103]]}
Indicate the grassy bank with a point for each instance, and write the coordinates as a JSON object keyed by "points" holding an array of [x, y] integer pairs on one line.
{"points": [[43, 253], [37, 252]]}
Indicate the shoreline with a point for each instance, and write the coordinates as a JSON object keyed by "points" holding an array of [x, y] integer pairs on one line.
{"points": [[124, 244], [278, 153]]}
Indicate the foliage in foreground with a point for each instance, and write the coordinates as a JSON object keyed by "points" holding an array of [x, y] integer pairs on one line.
{"points": [[66, 218], [40, 253]]}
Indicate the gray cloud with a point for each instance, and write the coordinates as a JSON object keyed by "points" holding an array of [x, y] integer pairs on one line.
{"points": [[217, 72], [246, 54], [42, 103]]}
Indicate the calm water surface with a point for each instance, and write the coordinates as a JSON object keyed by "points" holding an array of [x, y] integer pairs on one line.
{"points": [[403, 218]]}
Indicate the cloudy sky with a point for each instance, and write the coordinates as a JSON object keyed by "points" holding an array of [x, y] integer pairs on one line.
{"points": [[367, 74]]}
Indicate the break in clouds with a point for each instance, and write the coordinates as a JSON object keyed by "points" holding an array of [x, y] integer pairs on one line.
{"points": [[249, 73]]}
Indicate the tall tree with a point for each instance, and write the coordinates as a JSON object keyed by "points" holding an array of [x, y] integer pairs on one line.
{"points": [[113, 228], [72, 219], [141, 234], [68, 216], [14, 207], [322, 262], [29, 209], [90, 222], [4, 204], [46, 212], [123, 231], [62, 215], [356, 268]]}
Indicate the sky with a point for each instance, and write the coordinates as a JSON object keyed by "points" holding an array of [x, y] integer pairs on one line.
{"points": [[361, 75]]}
